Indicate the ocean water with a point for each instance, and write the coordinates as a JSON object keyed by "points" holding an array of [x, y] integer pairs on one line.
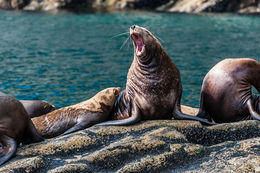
{"points": [[67, 58]]}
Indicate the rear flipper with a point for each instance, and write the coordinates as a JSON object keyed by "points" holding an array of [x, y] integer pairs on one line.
{"points": [[253, 113], [80, 126], [31, 135], [8, 149], [178, 115], [204, 115], [133, 118]]}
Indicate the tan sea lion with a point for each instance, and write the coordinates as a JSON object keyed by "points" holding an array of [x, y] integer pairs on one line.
{"points": [[15, 127], [153, 88], [36, 108], [77, 117], [226, 94]]}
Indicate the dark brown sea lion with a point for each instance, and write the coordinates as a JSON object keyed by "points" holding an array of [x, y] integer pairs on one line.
{"points": [[226, 94], [15, 127], [153, 88], [36, 108], [77, 117]]}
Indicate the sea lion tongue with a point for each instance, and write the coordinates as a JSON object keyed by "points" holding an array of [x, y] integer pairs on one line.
{"points": [[139, 44]]}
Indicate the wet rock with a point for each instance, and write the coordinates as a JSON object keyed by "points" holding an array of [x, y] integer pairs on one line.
{"points": [[159, 145]]}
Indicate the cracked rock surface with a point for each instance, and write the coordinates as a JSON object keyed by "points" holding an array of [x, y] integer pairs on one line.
{"points": [[159, 145]]}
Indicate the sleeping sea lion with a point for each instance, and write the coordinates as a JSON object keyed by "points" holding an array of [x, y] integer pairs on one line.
{"points": [[77, 117], [153, 88], [36, 108], [15, 127]]}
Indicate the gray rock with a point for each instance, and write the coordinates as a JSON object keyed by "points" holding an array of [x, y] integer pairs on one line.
{"points": [[187, 6], [198, 6], [161, 145]]}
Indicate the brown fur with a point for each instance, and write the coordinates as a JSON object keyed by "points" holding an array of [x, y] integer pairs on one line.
{"points": [[153, 88], [36, 108], [79, 116], [15, 127], [226, 91]]}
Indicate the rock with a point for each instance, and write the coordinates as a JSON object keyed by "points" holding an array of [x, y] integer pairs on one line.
{"points": [[159, 145], [198, 6], [189, 110], [13, 4], [187, 6]]}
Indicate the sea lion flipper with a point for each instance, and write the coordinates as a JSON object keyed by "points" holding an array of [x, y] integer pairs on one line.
{"points": [[134, 118], [178, 115], [9, 147], [77, 127], [36, 108], [31, 134], [253, 113], [202, 114]]}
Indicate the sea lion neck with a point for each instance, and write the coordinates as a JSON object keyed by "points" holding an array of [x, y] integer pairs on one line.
{"points": [[151, 60]]}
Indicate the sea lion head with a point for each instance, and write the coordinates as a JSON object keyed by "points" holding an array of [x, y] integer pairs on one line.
{"points": [[144, 42], [107, 97]]}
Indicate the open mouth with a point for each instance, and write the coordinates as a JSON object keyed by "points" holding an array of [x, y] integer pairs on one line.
{"points": [[139, 44]]}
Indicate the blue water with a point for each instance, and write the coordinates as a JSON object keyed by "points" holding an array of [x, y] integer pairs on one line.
{"points": [[66, 58]]}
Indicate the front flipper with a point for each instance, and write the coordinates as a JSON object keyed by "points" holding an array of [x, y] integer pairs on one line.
{"points": [[9, 147], [133, 118], [178, 115], [253, 113]]}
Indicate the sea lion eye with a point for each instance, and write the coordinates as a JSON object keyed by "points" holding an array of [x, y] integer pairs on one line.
{"points": [[115, 92]]}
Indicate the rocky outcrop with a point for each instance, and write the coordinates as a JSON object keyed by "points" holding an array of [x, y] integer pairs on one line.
{"points": [[198, 6], [161, 145], [187, 6], [44, 5]]}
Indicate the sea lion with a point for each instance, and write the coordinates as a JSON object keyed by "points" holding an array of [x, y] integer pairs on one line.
{"points": [[36, 108], [77, 117], [153, 88], [226, 94], [15, 127]]}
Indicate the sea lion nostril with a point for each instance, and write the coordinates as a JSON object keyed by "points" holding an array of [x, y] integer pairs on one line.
{"points": [[132, 27]]}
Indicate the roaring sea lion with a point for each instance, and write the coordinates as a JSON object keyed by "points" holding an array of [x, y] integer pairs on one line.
{"points": [[36, 108], [15, 127], [153, 88], [226, 94], [77, 117]]}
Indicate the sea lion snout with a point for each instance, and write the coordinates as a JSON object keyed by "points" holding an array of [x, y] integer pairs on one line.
{"points": [[138, 36], [132, 27]]}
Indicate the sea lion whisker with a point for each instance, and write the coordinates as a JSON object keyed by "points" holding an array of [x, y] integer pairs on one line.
{"points": [[125, 33], [158, 38], [124, 42]]}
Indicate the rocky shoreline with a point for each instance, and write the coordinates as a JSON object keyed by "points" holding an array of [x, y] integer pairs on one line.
{"points": [[181, 6], [159, 145]]}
